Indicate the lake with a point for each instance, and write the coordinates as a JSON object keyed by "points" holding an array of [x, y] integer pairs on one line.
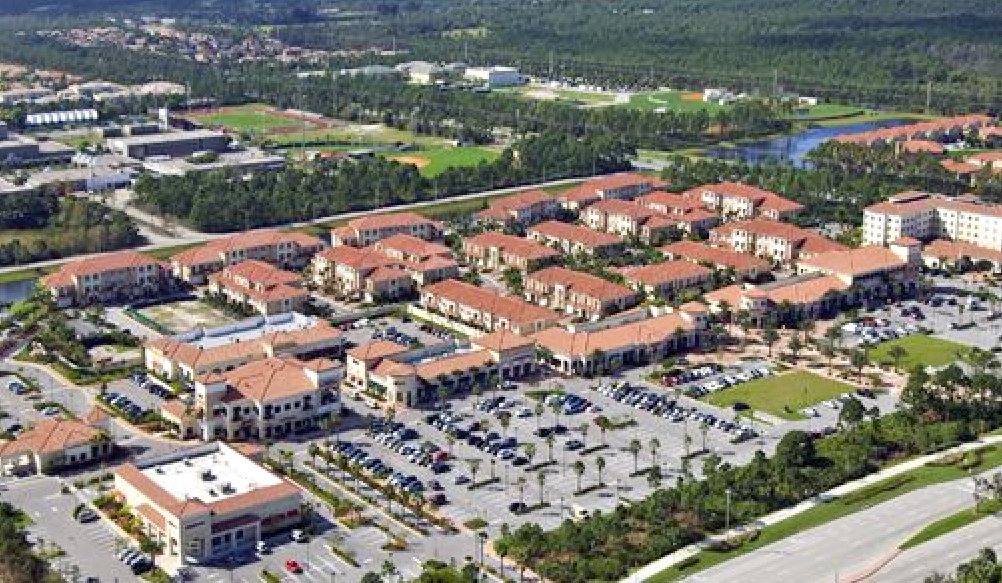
{"points": [[794, 147], [15, 291]]}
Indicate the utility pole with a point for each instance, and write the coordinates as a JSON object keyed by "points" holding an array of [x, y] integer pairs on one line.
{"points": [[550, 74], [928, 96], [775, 83], [466, 52]]}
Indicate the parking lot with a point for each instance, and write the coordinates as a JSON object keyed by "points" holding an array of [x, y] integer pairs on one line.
{"points": [[136, 395]]}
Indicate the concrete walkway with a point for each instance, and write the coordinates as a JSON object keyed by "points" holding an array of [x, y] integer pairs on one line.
{"points": [[668, 561]]}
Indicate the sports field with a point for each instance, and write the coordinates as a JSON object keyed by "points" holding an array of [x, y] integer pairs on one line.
{"points": [[783, 395], [919, 349], [823, 111], [672, 100], [253, 117], [434, 161], [186, 315]]}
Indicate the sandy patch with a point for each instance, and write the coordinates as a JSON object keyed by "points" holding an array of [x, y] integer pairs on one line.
{"points": [[542, 94], [693, 96], [415, 160]]}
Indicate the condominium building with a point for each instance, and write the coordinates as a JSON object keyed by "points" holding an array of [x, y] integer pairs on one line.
{"points": [[777, 242], [525, 208], [742, 266], [623, 186], [287, 250], [261, 286], [741, 201], [414, 377], [925, 216], [690, 215], [496, 251], [365, 231], [578, 294], [425, 261], [668, 279], [114, 277], [629, 219], [207, 501], [485, 309], [634, 338], [573, 239]]}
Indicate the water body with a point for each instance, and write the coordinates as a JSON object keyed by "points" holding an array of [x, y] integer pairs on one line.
{"points": [[793, 148], [15, 291]]}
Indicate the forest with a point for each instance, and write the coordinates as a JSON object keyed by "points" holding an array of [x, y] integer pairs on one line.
{"points": [[937, 411], [40, 226], [217, 201]]}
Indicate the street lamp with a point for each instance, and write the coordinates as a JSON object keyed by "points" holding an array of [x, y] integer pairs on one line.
{"points": [[727, 513]]}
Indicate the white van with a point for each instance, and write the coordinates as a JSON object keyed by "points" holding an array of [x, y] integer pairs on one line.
{"points": [[579, 513]]}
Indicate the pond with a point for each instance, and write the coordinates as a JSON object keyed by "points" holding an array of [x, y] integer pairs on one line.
{"points": [[15, 291], [793, 148]]}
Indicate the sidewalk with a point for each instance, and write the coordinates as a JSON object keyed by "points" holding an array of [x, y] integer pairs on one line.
{"points": [[668, 561]]}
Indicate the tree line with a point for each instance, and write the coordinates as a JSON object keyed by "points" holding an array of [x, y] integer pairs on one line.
{"points": [[221, 201], [937, 411], [18, 563]]}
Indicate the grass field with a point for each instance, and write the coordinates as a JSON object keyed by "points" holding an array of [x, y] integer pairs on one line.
{"points": [[872, 495], [358, 137], [782, 395], [186, 315], [673, 100], [921, 348], [823, 111], [253, 117], [434, 161]]}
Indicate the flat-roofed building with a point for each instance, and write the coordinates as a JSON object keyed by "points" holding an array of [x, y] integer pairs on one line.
{"points": [[173, 144], [207, 501], [188, 356], [418, 377], [925, 216], [485, 309], [634, 338], [365, 231], [287, 250], [113, 277], [496, 251], [573, 239], [576, 293], [262, 286]]}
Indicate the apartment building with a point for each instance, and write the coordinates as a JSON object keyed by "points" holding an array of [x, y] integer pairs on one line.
{"points": [[262, 286], [690, 215], [871, 270], [943, 254], [634, 338], [485, 309], [418, 377], [287, 250], [207, 502], [365, 231], [579, 294], [741, 265], [623, 186], [361, 273], [573, 239], [193, 354], [926, 216], [425, 261], [491, 250], [114, 277], [668, 279], [525, 208], [777, 242], [741, 201], [629, 219]]}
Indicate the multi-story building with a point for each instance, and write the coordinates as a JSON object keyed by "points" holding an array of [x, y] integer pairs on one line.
{"points": [[361, 273], [425, 261], [485, 309], [573, 239], [741, 201], [871, 270], [365, 231], [778, 242], [925, 216], [624, 186], [415, 377], [633, 338], [193, 354], [579, 294], [690, 215], [113, 277], [207, 501], [668, 279], [525, 208], [289, 250], [629, 219], [262, 286], [491, 250], [941, 254], [741, 265], [173, 144]]}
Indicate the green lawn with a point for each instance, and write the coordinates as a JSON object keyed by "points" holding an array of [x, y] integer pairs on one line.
{"points": [[872, 495], [921, 348], [673, 100], [782, 395], [434, 161], [253, 117], [823, 111], [951, 523]]}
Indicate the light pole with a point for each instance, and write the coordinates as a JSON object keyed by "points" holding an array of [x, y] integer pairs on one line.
{"points": [[481, 538], [727, 513], [561, 509]]}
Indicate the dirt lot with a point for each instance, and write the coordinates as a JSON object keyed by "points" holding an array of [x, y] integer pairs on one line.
{"points": [[186, 315]]}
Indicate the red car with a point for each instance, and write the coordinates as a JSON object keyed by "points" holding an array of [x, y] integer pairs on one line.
{"points": [[293, 566]]}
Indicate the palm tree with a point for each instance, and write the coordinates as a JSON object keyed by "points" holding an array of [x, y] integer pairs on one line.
{"points": [[549, 445], [654, 478], [579, 469], [795, 346], [530, 451], [541, 480], [540, 408], [521, 489], [600, 466], [603, 425], [493, 464], [474, 468], [897, 352], [704, 429], [634, 448], [504, 419], [584, 434], [654, 445], [859, 361], [450, 440], [770, 336]]}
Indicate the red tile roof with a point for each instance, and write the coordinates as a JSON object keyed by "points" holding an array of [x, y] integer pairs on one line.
{"points": [[583, 283], [583, 344], [50, 436], [509, 308], [213, 251], [623, 208], [389, 220], [856, 262], [511, 245], [665, 273], [578, 234], [99, 264], [700, 252]]}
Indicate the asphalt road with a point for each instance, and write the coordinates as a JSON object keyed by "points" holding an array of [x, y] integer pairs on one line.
{"points": [[942, 554]]}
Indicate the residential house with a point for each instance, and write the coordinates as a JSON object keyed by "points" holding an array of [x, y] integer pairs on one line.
{"points": [[485, 309], [365, 273], [924, 216], [691, 216], [112, 277], [579, 294], [425, 261], [262, 286], [496, 251]]}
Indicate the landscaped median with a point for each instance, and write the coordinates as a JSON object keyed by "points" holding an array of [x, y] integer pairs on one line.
{"points": [[953, 522], [846, 500]]}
